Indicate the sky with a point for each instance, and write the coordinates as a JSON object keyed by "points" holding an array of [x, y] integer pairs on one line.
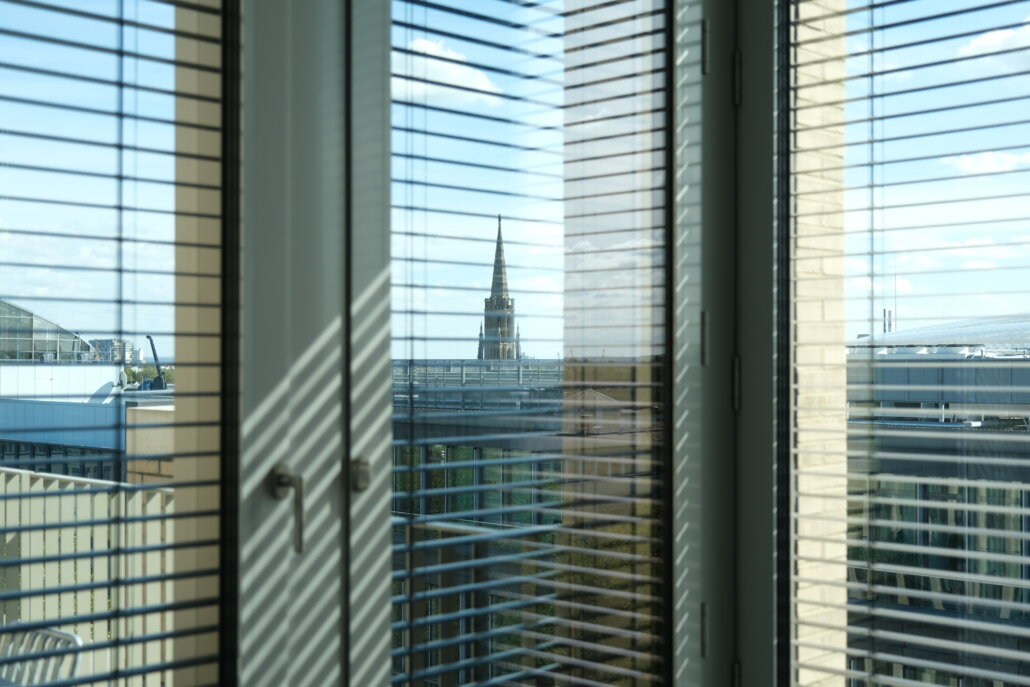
{"points": [[62, 239], [912, 244], [581, 285], [450, 277], [915, 242], [935, 204]]}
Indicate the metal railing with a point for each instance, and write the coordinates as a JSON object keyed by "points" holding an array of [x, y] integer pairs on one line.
{"points": [[92, 558]]}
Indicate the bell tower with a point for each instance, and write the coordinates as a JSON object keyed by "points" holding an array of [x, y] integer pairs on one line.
{"points": [[498, 337]]}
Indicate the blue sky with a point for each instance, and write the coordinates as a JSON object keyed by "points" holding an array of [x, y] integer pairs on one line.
{"points": [[72, 277], [919, 241], [530, 197], [577, 291], [908, 243], [913, 239]]}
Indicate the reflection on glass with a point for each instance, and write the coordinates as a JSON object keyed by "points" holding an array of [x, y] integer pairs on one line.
{"points": [[909, 235], [528, 235], [109, 348]]}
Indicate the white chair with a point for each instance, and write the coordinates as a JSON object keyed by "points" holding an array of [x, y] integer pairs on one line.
{"points": [[50, 655]]}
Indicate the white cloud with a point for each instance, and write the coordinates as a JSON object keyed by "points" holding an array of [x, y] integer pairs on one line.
{"points": [[853, 265], [901, 285], [1000, 40], [441, 64], [978, 265], [980, 248], [609, 300], [987, 162], [993, 41]]}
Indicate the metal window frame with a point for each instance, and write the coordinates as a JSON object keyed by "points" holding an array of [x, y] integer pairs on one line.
{"points": [[763, 340], [781, 343], [370, 380], [739, 634], [705, 406], [229, 530]]}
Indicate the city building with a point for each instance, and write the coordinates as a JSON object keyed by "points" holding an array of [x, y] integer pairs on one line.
{"points": [[938, 419], [116, 351], [535, 466], [27, 336], [76, 418], [484, 438]]}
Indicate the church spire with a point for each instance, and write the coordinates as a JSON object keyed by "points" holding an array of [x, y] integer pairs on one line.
{"points": [[498, 338], [499, 288]]}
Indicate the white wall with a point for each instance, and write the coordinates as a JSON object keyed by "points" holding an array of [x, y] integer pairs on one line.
{"points": [[71, 383]]}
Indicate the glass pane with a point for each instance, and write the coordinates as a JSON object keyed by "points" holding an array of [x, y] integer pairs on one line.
{"points": [[110, 286], [528, 296], [910, 157]]}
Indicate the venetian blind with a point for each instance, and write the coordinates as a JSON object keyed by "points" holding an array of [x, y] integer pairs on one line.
{"points": [[528, 338], [110, 290], [910, 221]]}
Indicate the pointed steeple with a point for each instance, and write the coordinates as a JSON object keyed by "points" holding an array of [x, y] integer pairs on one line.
{"points": [[499, 288], [498, 339]]}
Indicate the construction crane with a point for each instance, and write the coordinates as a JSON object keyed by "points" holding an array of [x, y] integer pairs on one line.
{"points": [[158, 382]]}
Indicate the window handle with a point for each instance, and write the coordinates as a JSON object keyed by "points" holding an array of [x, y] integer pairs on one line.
{"points": [[282, 480]]}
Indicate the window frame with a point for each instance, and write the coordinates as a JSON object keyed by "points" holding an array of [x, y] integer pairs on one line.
{"points": [[763, 311], [315, 81], [229, 492], [737, 628]]}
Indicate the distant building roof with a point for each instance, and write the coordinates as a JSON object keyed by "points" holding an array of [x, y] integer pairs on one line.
{"points": [[24, 335], [982, 336]]}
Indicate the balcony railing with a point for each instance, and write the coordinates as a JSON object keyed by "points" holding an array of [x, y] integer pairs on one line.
{"points": [[90, 557]]}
